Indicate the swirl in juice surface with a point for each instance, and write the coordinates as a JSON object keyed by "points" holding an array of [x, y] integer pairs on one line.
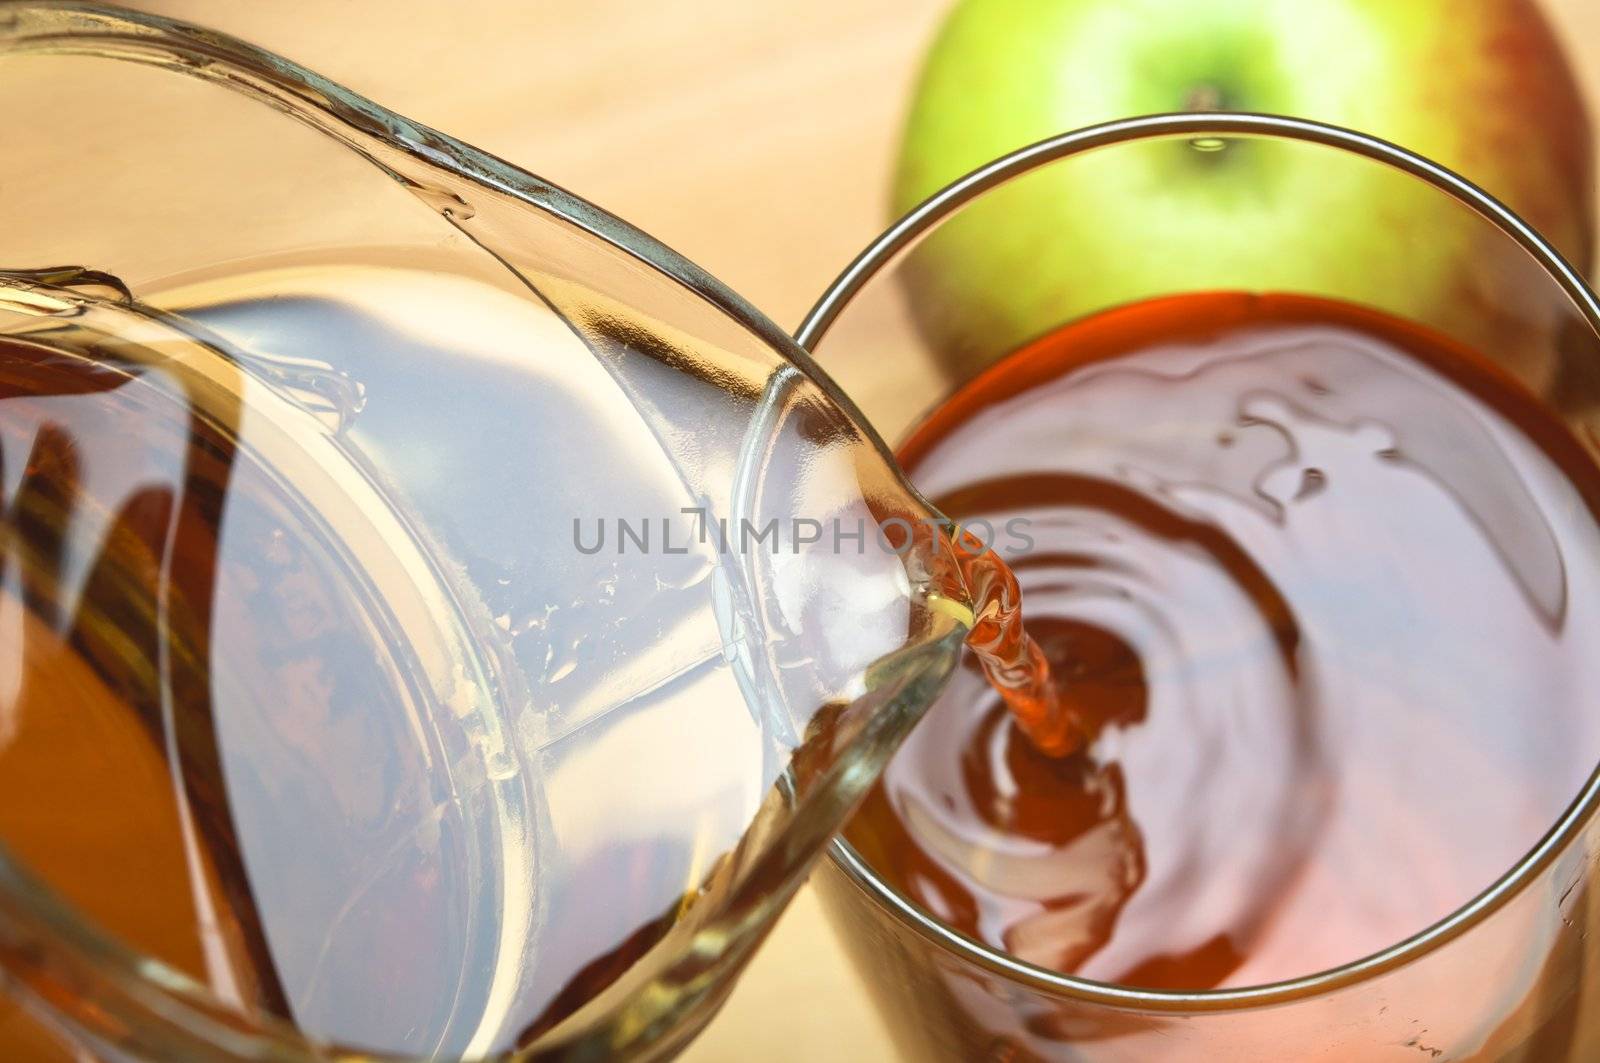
{"points": [[1323, 591]]}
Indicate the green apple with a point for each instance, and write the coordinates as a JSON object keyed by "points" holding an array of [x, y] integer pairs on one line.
{"points": [[1480, 86]]}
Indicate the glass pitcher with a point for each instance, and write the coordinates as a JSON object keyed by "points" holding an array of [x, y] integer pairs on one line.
{"points": [[439, 619]]}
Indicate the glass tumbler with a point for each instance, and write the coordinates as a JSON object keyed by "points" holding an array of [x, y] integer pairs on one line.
{"points": [[1512, 974]]}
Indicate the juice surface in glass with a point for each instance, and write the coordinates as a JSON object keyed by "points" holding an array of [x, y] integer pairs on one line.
{"points": [[1323, 589]]}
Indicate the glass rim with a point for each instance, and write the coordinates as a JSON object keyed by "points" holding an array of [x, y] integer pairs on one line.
{"points": [[899, 237]]}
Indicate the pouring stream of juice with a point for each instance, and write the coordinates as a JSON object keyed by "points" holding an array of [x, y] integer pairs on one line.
{"points": [[1012, 660], [1010, 657]]}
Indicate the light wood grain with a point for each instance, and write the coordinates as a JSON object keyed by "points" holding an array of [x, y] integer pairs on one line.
{"points": [[756, 139]]}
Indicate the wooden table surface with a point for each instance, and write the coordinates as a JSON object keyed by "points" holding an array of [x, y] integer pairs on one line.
{"points": [[753, 137]]}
